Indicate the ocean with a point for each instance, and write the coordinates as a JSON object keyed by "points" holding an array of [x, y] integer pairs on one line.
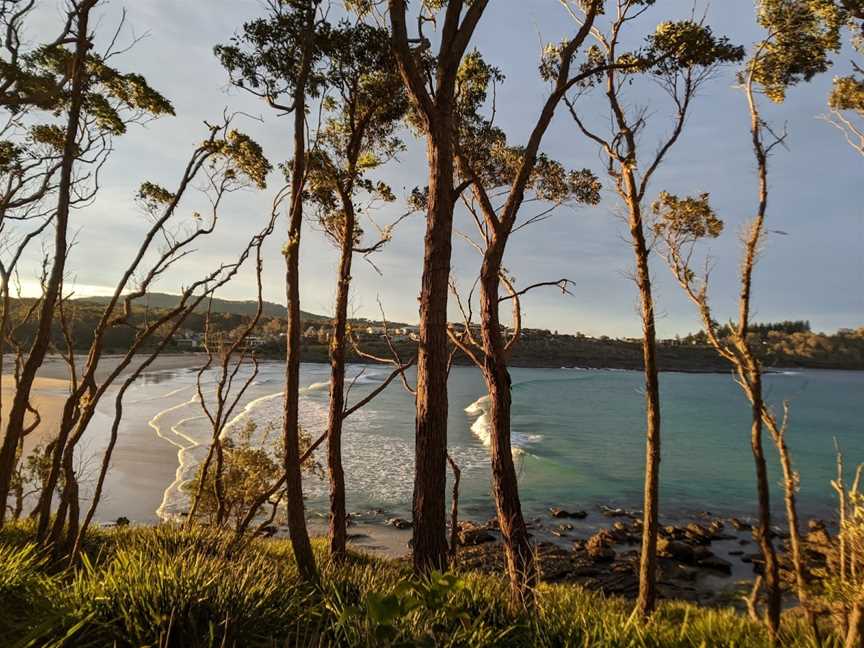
{"points": [[578, 438]]}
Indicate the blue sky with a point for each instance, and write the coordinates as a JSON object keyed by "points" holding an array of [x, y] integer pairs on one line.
{"points": [[814, 272]]}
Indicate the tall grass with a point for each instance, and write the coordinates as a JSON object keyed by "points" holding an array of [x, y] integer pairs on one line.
{"points": [[163, 586]]}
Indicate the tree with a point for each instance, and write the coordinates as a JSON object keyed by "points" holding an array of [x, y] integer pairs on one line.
{"points": [[846, 101], [800, 35], [494, 169], [99, 102], [274, 57], [232, 351], [230, 160], [679, 56], [431, 85], [358, 137]]}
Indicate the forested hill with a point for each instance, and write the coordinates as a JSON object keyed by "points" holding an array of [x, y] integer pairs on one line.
{"points": [[165, 301], [778, 345]]}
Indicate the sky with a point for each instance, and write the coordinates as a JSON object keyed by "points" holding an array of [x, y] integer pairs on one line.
{"points": [[814, 270]]}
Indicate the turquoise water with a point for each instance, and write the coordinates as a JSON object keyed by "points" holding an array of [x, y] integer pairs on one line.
{"points": [[579, 434]]}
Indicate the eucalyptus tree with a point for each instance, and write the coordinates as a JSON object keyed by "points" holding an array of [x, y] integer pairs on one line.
{"points": [[278, 58], [494, 169], [800, 36], [431, 83], [230, 160], [846, 101], [679, 56], [365, 108], [98, 103]]}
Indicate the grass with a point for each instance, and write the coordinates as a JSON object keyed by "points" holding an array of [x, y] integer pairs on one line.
{"points": [[162, 586]]}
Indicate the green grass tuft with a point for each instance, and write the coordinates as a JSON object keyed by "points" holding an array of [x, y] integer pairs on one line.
{"points": [[164, 586]]}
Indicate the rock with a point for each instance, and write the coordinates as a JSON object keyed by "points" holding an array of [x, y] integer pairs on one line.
{"points": [[744, 542], [817, 534], [680, 551], [603, 538], [269, 531], [736, 552], [578, 545], [599, 546], [584, 571], [715, 563], [475, 535], [613, 512], [672, 532], [400, 523], [601, 554], [561, 513], [698, 533], [739, 525]]}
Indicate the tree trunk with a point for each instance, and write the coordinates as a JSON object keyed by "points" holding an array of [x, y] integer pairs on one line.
{"points": [[42, 338], [454, 508], [647, 598], [505, 486], [337, 531], [790, 484], [430, 476], [763, 531], [291, 424]]}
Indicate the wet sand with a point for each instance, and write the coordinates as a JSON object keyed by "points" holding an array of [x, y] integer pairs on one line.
{"points": [[142, 464]]}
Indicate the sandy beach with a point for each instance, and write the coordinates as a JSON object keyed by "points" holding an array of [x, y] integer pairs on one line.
{"points": [[142, 464]]}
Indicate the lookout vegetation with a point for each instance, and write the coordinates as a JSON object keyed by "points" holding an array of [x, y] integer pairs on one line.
{"points": [[352, 87]]}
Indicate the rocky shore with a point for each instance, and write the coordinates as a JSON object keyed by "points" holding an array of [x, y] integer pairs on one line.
{"points": [[707, 560]]}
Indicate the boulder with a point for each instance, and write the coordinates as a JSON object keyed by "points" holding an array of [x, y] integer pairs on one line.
{"points": [[698, 533], [817, 534], [474, 535], [601, 554], [717, 564], [562, 513], [608, 511], [740, 525], [603, 538], [400, 523], [680, 551]]}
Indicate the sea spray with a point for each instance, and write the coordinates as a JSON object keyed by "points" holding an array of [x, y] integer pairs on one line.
{"points": [[521, 443]]}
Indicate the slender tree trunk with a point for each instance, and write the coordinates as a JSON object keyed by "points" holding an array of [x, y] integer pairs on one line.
{"points": [[430, 477], [763, 530], [338, 532], [454, 508], [58, 450], [291, 424], [647, 598], [505, 486], [219, 481], [42, 338], [790, 484]]}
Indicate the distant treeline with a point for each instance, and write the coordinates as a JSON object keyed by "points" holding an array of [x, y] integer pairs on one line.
{"points": [[781, 344]]}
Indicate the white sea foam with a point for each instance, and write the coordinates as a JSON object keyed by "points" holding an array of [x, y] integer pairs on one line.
{"points": [[480, 408], [378, 460]]}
